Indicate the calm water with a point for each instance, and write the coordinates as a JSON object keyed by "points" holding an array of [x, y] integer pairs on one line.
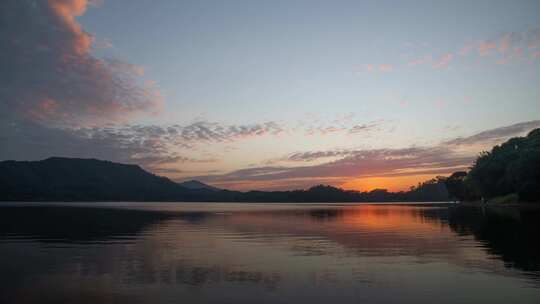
{"points": [[267, 253]]}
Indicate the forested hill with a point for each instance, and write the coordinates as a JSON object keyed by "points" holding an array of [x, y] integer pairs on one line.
{"points": [[72, 179], [510, 172]]}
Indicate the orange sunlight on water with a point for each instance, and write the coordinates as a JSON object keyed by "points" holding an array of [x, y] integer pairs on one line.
{"points": [[394, 218]]}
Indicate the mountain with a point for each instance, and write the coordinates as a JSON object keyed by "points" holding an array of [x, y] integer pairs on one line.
{"points": [[195, 184], [73, 179]]}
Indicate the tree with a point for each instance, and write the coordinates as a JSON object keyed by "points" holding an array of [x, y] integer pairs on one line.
{"points": [[512, 168], [455, 184]]}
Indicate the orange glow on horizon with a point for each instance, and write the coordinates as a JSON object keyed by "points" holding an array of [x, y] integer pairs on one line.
{"points": [[392, 183]]}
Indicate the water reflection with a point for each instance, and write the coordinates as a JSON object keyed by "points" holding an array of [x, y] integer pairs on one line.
{"points": [[216, 253], [510, 234]]}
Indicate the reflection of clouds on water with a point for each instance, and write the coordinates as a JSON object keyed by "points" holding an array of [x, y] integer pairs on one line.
{"points": [[317, 250]]}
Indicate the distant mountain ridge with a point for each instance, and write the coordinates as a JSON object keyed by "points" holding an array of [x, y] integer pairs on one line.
{"points": [[195, 184], [76, 179]]}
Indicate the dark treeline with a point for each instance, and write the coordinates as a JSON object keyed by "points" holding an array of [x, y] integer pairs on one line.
{"points": [[510, 172], [429, 191], [70, 179]]}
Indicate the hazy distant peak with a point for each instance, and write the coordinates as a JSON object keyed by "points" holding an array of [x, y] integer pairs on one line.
{"points": [[195, 184]]}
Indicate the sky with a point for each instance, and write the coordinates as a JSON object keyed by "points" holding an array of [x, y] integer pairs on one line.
{"points": [[269, 94]]}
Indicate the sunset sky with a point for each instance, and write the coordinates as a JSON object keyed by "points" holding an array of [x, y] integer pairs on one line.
{"points": [[269, 94]]}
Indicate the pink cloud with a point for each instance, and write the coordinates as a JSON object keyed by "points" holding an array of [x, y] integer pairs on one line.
{"points": [[508, 46], [46, 47], [464, 51], [533, 38], [420, 61], [485, 47], [385, 67], [444, 61], [67, 11], [403, 103], [504, 44], [440, 103]]}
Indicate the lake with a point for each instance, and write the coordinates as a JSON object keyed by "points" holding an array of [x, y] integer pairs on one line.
{"points": [[268, 253]]}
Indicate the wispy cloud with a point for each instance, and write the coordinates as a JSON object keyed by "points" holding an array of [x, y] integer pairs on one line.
{"points": [[420, 61], [354, 164], [382, 67], [444, 61], [366, 128], [491, 137], [385, 67], [346, 125], [316, 155], [443, 158], [485, 47], [506, 47], [501, 49], [151, 146]]}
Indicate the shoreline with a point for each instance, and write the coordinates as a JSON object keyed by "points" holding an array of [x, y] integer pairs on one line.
{"points": [[479, 204]]}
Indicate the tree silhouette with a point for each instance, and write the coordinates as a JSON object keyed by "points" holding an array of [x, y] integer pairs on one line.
{"points": [[512, 168]]}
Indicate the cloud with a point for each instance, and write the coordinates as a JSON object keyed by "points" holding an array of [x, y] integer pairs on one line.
{"points": [[444, 61], [220, 133], [345, 124], [151, 146], [370, 67], [26, 140], [420, 61], [197, 132], [506, 48], [385, 67], [50, 76], [444, 158], [365, 128], [324, 130], [315, 155], [155, 145], [533, 38], [490, 137], [485, 47], [466, 50], [157, 149], [354, 164], [172, 160], [502, 43]]}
